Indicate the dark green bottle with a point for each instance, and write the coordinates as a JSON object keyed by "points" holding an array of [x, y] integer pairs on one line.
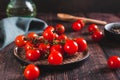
{"points": [[23, 8]]}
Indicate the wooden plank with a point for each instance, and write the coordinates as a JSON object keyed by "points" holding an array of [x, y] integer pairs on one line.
{"points": [[94, 68], [109, 47]]}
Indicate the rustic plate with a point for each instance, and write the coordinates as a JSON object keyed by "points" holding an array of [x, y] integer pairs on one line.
{"points": [[19, 53]]}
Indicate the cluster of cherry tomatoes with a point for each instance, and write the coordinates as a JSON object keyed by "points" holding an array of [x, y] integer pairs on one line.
{"points": [[113, 61], [96, 34], [78, 25], [93, 29], [53, 45]]}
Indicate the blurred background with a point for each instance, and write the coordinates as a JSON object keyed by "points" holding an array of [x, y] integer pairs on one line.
{"points": [[71, 6]]}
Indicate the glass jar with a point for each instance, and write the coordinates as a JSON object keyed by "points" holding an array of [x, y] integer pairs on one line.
{"points": [[24, 8]]}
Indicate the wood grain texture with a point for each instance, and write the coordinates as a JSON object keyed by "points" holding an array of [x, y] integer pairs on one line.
{"points": [[95, 66]]}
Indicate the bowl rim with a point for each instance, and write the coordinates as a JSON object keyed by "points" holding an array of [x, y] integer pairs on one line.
{"points": [[110, 25]]}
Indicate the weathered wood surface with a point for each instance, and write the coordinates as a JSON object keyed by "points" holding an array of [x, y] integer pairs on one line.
{"points": [[95, 66]]}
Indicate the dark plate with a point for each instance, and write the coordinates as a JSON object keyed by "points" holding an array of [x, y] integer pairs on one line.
{"points": [[79, 57]]}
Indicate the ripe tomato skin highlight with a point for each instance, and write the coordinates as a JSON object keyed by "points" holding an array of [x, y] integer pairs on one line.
{"points": [[48, 35], [97, 36], [62, 37], [49, 28], [114, 62], [81, 22], [92, 28], [33, 54], [60, 29], [55, 58], [43, 47], [31, 72], [28, 46], [56, 35], [76, 26], [20, 40], [57, 47], [82, 44], [70, 47], [32, 35]]}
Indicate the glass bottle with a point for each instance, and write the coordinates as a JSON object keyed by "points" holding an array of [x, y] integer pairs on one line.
{"points": [[24, 8]]}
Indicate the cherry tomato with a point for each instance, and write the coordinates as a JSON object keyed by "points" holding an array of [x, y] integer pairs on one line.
{"points": [[55, 58], [57, 47], [56, 35], [60, 29], [62, 37], [28, 46], [97, 35], [33, 54], [48, 35], [31, 72], [70, 47], [32, 35], [82, 44], [20, 40], [76, 26], [81, 22], [49, 28], [44, 48], [114, 62], [92, 28]]}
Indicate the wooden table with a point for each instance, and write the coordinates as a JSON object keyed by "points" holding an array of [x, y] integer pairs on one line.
{"points": [[95, 66]]}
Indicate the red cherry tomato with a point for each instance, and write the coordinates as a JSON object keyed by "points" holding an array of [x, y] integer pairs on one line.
{"points": [[48, 35], [114, 62], [60, 29], [92, 28], [97, 35], [57, 47], [70, 47], [76, 26], [32, 35], [62, 37], [44, 48], [81, 22], [56, 35], [31, 72], [82, 44], [20, 40], [55, 58], [28, 46], [33, 54], [49, 28]]}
